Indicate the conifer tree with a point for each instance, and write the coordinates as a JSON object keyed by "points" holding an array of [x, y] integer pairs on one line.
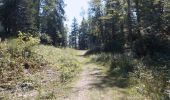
{"points": [[83, 35], [73, 42]]}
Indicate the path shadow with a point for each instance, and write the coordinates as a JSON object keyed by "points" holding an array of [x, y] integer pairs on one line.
{"points": [[109, 80], [80, 55]]}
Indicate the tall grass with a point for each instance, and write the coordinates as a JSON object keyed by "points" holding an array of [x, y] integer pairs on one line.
{"points": [[64, 60]]}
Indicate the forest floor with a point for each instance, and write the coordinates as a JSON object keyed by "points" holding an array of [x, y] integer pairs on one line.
{"points": [[94, 84]]}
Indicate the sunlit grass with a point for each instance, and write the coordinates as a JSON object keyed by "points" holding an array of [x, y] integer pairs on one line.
{"points": [[63, 59], [61, 67]]}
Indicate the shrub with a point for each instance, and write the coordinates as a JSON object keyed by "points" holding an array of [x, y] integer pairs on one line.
{"points": [[22, 44], [123, 63], [45, 39], [152, 82], [15, 56]]}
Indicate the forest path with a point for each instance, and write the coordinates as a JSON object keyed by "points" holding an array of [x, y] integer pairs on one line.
{"points": [[90, 85]]}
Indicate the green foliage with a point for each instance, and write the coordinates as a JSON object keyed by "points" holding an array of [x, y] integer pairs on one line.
{"points": [[116, 45], [22, 18], [10, 68], [35, 17], [45, 39], [73, 37], [52, 21], [16, 56], [22, 44], [95, 28], [26, 41], [152, 45], [112, 46], [83, 35], [152, 82], [149, 79]]}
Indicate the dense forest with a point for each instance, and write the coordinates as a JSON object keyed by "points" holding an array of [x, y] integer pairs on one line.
{"points": [[34, 17], [130, 37]]}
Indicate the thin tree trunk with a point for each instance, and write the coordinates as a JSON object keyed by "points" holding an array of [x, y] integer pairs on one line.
{"points": [[129, 23], [138, 17]]}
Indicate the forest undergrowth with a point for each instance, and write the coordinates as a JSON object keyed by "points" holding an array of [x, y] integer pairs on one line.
{"points": [[135, 74], [30, 70]]}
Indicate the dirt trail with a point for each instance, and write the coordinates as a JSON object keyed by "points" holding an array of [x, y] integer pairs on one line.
{"points": [[85, 88], [94, 84]]}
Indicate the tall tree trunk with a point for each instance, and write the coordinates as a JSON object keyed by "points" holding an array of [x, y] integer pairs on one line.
{"points": [[129, 23], [138, 17], [38, 15]]}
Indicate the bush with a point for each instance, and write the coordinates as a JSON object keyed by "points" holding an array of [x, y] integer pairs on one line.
{"points": [[153, 73], [23, 43], [45, 39], [152, 82], [123, 63], [15, 56]]}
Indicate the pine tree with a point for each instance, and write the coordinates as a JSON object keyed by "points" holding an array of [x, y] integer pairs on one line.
{"points": [[17, 15], [53, 17], [96, 27], [74, 35], [83, 35], [25, 17]]}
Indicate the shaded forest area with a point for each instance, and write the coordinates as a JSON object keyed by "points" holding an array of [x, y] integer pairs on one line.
{"points": [[34, 17], [132, 37]]}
